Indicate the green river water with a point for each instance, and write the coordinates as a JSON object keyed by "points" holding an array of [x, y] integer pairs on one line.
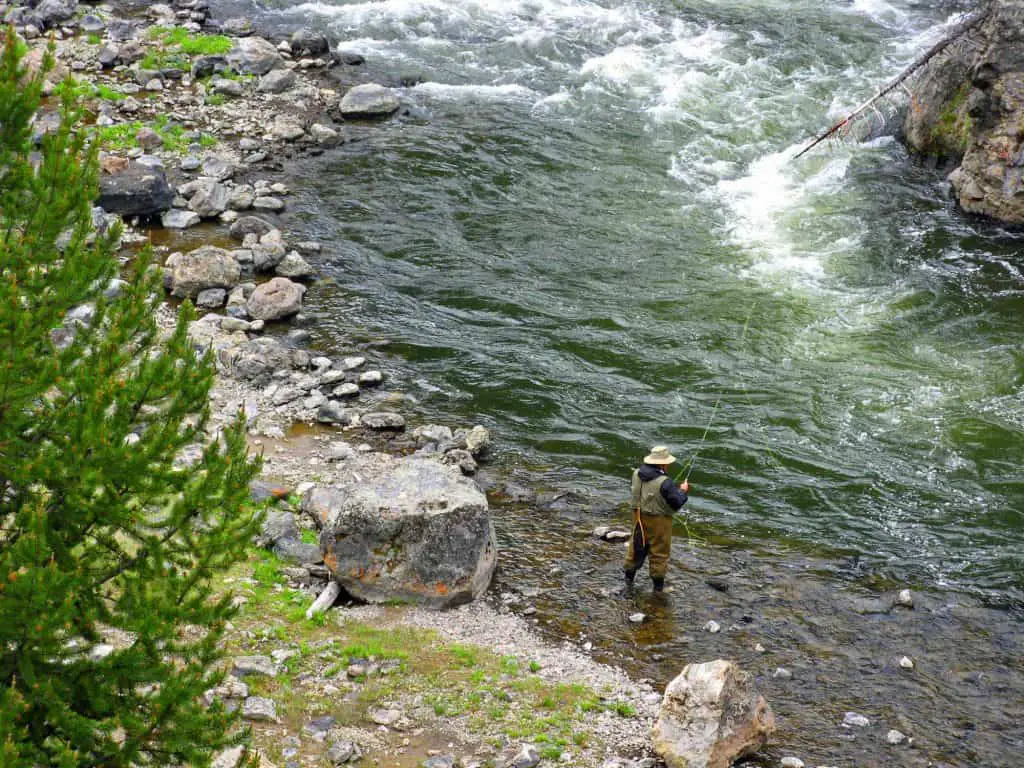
{"points": [[586, 232]]}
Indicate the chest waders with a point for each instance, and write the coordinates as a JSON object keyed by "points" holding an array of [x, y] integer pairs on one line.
{"points": [[652, 530]]}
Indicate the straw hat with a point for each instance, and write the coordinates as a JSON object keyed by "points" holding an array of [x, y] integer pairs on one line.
{"points": [[659, 455]]}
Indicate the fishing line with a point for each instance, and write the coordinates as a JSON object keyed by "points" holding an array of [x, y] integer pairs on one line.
{"points": [[693, 459]]}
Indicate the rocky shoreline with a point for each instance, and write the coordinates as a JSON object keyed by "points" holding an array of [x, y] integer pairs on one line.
{"points": [[194, 118]]}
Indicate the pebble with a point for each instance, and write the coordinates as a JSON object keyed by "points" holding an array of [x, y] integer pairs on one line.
{"points": [[905, 599], [760, 648], [601, 530], [385, 716], [259, 709], [371, 378], [616, 535], [791, 762], [781, 673], [637, 618], [852, 719], [254, 665], [906, 662], [713, 627], [351, 363]]}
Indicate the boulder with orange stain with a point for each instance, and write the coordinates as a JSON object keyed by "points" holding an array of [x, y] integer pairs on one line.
{"points": [[405, 529]]}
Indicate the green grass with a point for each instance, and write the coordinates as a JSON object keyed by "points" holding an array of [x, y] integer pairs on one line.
{"points": [[488, 696], [309, 536], [952, 130], [93, 39], [189, 44], [107, 93], [120, 136], [215, 99]]}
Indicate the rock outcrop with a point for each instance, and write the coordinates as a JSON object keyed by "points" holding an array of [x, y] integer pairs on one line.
{"points": [[711, 717], [967, 112], [409, 529]]}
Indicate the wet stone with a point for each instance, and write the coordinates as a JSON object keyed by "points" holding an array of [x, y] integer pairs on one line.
{"points": [[713, 627], [906, 662], [791, 762], [853, 720], [383, 420], [894, 737]]}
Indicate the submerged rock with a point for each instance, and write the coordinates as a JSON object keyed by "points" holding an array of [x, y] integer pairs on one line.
{"points": [[710, 717], [406, 529]]}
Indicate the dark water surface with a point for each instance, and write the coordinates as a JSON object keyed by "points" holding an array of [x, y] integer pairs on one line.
{"points": [[587, 233]]}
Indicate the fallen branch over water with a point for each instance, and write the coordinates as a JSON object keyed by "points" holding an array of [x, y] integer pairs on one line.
{"points": [[957, 34]]}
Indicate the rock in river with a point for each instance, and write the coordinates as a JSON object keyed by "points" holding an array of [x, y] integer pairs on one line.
{"points": [[369, 100], [275, 299], [254, 56], [406, 529], [201, 269], [711, 717]]}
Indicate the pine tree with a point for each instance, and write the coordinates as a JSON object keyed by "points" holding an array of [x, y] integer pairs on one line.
{"points": [[101, 534]]}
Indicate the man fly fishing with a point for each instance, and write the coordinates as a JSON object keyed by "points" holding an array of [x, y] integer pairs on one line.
{"points": [[655, 500]]}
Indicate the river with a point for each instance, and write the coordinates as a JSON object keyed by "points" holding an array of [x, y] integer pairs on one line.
{"points": [[587, 231]]}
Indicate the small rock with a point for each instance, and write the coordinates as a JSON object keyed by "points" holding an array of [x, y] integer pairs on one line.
{"points": [[383, 420], [371, 379], [906, 662], [346, 390], [277, 81], [369, 100], [759, 648], [342, 752], [905, 599], [385, 716], [637, 618], [178, 219], [852, 719], [616, 535], [295, 267], [791, 762], [333, 412], [601, 531], [895, 737], [351, 363], [259, 709], [526, 756], [713, 627], [268, 203], [253, 665], [717, 583], [212, 298]]}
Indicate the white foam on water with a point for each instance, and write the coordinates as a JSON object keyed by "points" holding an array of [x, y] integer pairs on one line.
{"points": [[510, 92], [761, 204]]}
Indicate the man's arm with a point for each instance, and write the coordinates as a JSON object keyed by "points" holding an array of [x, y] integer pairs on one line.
{"points": [[673, 494]]}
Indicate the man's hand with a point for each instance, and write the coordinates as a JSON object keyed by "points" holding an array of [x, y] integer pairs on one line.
{"points": [[685, 485]]}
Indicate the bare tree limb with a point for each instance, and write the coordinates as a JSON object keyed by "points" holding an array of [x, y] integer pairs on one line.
{"points": [[968, 24]]}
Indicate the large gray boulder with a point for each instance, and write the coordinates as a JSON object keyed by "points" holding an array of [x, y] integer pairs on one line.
{"points": [[710, 717], [369, 100], [49, 13], [201, 269], [254, 56], [967, 109], [136, 190], [276, 299], [407, 529]]}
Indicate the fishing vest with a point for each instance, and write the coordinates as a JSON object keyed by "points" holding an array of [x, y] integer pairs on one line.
{"points": [[648, 496]]}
